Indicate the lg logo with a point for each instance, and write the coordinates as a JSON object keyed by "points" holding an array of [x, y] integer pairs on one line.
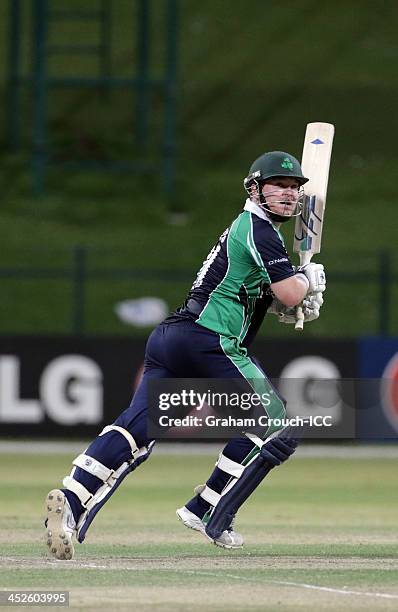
{"points": [[70, 392]]}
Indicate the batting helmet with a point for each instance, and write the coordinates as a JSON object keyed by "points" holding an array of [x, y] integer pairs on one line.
{"points": [[276, 163]]}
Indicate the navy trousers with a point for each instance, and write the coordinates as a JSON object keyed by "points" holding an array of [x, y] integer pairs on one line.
{"points": [[181, 349]]}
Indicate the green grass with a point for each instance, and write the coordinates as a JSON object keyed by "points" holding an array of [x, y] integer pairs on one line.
{"points": [[250, 77], [328, 523]]}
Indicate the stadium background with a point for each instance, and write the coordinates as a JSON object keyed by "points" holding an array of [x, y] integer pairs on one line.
{"points": [[242, 78]]}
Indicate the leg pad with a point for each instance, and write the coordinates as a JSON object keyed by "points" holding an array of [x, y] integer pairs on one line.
{"points": [[273, 453]]}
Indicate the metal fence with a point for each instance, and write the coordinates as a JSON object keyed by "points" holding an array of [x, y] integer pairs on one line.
{"points": [[368, 293], [35, 29]]}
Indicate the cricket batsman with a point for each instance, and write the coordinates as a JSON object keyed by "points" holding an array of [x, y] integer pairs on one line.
{"points": [[247, 274]]}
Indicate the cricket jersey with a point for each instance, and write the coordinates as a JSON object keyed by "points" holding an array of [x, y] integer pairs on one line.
{"points": [[230, 294]]}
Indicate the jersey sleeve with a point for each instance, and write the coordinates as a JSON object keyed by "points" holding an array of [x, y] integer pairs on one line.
{"points": [[270, 250]]}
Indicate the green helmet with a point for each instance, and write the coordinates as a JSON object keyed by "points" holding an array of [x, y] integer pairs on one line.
{"points": [[276, 163]]}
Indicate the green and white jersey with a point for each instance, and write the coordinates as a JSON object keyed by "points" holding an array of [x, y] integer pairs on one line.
{"points": [[229, 295]]}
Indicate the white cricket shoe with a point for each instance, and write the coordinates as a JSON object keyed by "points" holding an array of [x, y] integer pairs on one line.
{"points": [[228, 539], [60, 525]]}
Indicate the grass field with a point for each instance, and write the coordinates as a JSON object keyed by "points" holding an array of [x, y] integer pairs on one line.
{"points": [[320, 533]]}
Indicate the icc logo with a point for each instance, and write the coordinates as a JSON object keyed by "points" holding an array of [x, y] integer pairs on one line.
{"points": [[389, 391]]}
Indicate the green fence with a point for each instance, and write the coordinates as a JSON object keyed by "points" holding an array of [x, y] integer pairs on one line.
{"points": [[75, 293], [64, 46]]}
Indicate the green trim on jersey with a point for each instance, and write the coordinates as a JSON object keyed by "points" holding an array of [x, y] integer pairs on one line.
{"points": [[224, 313]]}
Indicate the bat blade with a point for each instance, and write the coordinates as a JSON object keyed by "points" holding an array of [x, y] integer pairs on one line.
{"points": [[315, 164]]}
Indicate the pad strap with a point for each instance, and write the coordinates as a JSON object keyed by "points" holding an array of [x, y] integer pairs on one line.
{"points": [[76, 487], [230, 467], [126, 434], [210, 496], [100, 471], [93, 467]]}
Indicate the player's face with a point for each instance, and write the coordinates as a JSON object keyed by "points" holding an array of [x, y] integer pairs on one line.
{"points": [[281, 194]]}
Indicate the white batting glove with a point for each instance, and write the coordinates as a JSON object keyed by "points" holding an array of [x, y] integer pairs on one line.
{"points": [[310, 305], [315, 274]]}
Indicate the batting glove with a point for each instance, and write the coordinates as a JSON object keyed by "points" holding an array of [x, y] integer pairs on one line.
{"points": [[310, 305], [315, 274]]}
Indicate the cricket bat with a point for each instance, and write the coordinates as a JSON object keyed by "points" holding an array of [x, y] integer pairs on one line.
{"points": [[315, 165]]}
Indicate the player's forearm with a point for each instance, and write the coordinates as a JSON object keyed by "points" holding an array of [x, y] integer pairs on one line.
{"points": [[292, 290]]}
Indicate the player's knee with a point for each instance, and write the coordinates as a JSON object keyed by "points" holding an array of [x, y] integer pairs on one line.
{"points": [[278, 450]]}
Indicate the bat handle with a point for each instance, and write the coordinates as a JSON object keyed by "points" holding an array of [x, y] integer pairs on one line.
{"points": [[305, 258], [299, 319]]}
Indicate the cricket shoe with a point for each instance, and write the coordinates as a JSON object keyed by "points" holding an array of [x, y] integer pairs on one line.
{"points": [[60, 525], [228, 539]]}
